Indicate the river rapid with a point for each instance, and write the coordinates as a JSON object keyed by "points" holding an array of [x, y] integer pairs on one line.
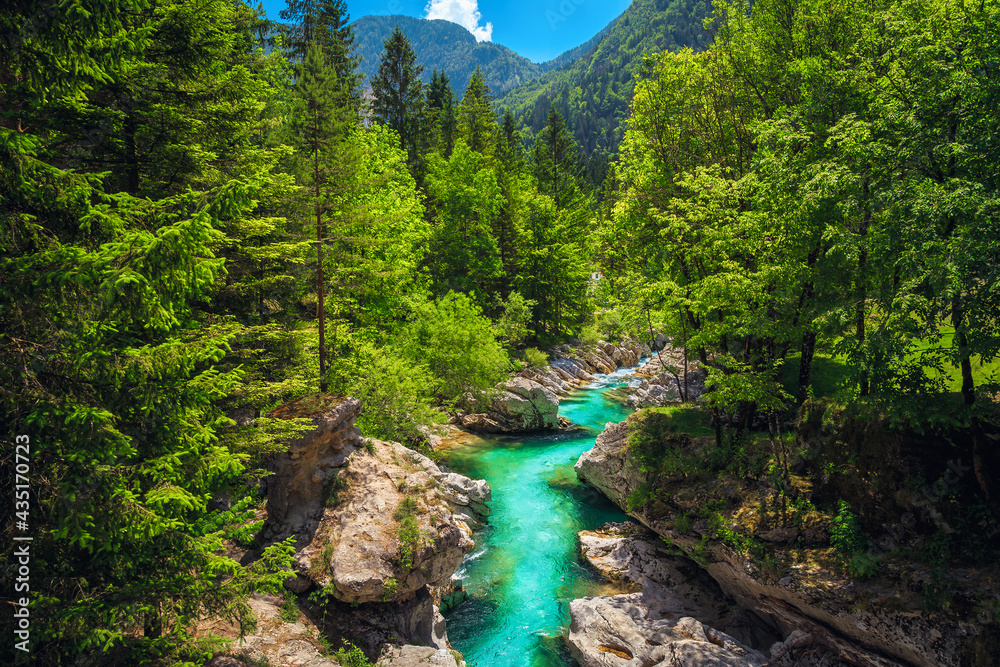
{"points": [[526, 567]]}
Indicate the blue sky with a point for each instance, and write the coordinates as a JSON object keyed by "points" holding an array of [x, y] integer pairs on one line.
{"points": [[537, 29]]}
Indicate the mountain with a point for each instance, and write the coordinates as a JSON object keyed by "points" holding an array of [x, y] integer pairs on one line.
{"points": [[593, 92], [447, 46]]}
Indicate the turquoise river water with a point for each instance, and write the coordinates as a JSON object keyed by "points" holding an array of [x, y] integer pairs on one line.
{"points": [[525, 568]]}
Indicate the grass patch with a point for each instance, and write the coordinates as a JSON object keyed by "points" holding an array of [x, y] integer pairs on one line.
{"points": [[693, 421], [826, 378]]}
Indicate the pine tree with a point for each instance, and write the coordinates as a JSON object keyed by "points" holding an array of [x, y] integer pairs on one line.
{"points": [[321, 122], [108, 359], [556, 161], [399, 93]]}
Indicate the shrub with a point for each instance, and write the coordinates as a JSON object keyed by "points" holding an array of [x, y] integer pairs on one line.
{"points": [[458, 346], [589, 335], [351, 656], [536, 357], [290, 609]]}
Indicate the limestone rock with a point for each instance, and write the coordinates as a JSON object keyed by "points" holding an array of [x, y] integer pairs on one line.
{"points": [[521, 405], [295, 490], [419, 656], [358, 551], [604, 466], [858, 635], [616, 631]]}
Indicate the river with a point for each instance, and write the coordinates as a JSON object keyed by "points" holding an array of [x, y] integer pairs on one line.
{"points": [[525, 568]]}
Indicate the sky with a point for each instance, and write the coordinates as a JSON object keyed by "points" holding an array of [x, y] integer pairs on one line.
{"points": [[539, 30]]}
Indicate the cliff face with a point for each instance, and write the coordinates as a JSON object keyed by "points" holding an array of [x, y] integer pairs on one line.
{"points": [[863, 623]]}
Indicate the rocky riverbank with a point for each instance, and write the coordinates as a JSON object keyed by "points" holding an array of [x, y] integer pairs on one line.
{"points": [[672, 617], [529, 401], [379, 531], [781, 567]]}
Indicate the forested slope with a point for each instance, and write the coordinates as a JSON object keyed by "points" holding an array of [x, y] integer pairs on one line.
{"points": [[445, 46], [593, 93]]}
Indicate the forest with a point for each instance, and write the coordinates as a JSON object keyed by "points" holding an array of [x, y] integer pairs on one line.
{"points": [[204, 216]]}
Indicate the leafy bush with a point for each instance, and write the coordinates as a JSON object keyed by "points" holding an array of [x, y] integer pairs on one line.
{"points": [[290, 609], [458, 346], [515, 318], [397, 394], [845, 531], [536, 357], [589, 335], [846, 537], [409, 531], [351, 656]]}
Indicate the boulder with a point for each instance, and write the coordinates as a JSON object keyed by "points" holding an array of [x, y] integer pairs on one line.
{"points": [[359, 552], [617, 631], [420, 656], [520, 406]]}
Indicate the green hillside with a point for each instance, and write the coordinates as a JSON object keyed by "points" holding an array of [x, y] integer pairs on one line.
{"points": [[593, 92], [446, 46]]}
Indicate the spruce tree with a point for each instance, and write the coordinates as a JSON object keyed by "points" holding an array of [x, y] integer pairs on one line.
{"points": [[442, 113], [327, 24], [398, 93], [108, 359], [556, 160], [477, 123], [321, 122]]}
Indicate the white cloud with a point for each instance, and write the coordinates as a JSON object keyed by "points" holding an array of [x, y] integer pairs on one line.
{"points": [[463, 12]]}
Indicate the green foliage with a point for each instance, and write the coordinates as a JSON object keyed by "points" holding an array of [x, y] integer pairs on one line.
{"points": [[536, 358], [639, 497], [397, 392], [846, 537], [350, 655], [327, 25], [458, 346], [409, 531], [657, 446], [513, 326], [289, 609], [589, 335], [397, 91], [845, 531]]}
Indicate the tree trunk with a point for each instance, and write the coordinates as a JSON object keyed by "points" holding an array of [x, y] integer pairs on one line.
{"points": [[865, 387], [805, 366], [320, 285]]}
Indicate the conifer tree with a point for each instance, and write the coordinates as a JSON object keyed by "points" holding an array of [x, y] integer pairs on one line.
{"points": [[477, 123], [442, 113], [108, 360], [327, 24], [556, 160], [399, 93], [321, 122]]}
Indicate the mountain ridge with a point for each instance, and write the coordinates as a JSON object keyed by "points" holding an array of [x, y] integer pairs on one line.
{"points": [[449, 47]]}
